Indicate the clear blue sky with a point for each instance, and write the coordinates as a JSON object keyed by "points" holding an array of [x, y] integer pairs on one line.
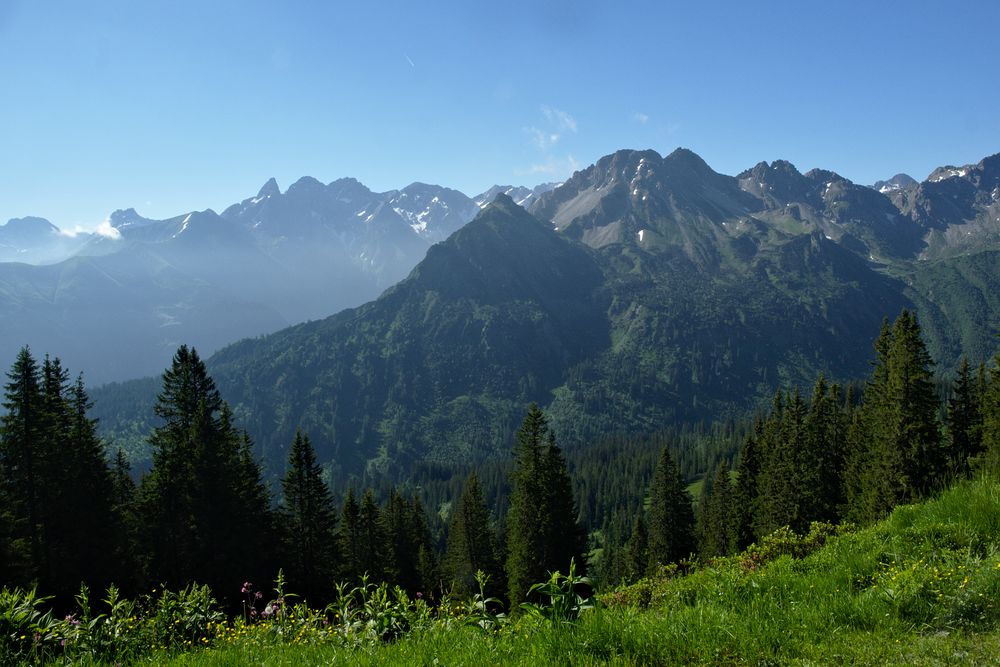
{"points": [[174, 106]]}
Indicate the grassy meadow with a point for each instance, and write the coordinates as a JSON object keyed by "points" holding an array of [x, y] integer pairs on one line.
{"points": [[922, 587]]}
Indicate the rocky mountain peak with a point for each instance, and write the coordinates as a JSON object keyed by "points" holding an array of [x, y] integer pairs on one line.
{"points": [[269, 189], [897, 182]]}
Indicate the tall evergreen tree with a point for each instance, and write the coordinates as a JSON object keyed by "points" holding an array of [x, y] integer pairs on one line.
{"points": [[965, 421], [671, 517], [407, 533], [24, 459], [542, 511], [745, 493], [349, 540], [898, 450], [123, 502], [374, 550], [202, 508], [428, 569], [637, 550], [785, 475], [309, 524], [718, 530], [822, 464], [57, 480], [471, 545], [991, 417], [88, 527]]}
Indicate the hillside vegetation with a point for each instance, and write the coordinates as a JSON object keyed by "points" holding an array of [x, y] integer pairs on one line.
{"points": [[920, 587]]}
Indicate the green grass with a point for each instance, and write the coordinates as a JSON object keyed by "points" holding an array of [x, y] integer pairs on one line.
{"points": [[922, 587]]}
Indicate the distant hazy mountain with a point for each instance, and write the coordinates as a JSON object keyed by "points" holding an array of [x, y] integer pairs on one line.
{"points": [[117, 304], [643, 291], [36, 241], [521, 195]]}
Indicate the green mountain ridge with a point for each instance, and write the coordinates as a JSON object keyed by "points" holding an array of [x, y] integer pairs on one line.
{"points": [[644, 292]]}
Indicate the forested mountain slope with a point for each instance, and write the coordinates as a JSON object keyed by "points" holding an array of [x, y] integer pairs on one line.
{"points": [[644, 291]]}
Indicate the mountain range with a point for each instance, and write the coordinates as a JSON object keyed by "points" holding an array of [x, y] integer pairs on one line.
{"points": [[644, 291], [117, 302]]}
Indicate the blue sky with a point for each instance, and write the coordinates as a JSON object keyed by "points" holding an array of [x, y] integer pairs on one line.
{"points": [[174, 106]]}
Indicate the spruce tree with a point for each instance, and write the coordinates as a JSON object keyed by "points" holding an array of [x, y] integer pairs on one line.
{"points": [[718, 534], [784, 478], [203, 509], [671, 517], [825, 450], [407, 533], [991, 418], [428, 569], [542, 532], [745, 493], [471, 545], [965, 421], [309, 524], [637, 551], [349, 540], [375, 552], [89, 529], [23, 455], [898, 450], [57, 481]]}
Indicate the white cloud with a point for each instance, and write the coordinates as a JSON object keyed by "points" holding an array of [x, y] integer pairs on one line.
{"points": [[557, 125], [562, 120], [105, 229], [102, 228], [640, 117], [554, 167], [71, 233], [543, 140]]}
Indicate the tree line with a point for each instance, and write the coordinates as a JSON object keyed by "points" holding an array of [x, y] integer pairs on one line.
{"points": [[203, 514]]}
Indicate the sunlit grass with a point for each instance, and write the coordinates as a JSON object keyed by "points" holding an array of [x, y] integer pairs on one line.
{"points": [[922, 587]]}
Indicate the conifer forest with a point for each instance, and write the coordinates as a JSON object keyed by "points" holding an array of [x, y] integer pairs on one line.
{"points": [[201, 532]]}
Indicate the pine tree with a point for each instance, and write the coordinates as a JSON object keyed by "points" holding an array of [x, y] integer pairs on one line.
{"points": [[349, 540], [406, 529], [991, 417], [374, 549], [471, 545], [822, 463], [428, 569], [718, 535], [965, 421], [897, 446], [564, 540], [57, 480], [122, 482], [24, 458], [785, 474], [542, 511], [671, 517], [612, 567], [88, 527], [309, 524], [203, 509], [637, 550], [745, 493], [123, 502]]}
